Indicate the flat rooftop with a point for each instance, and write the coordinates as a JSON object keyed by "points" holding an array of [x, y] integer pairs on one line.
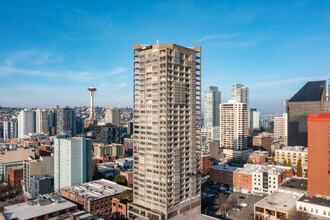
{"points": [[16, 168], [296, 183], [224, 167], [315, 200], [282, 202], [35, 208], [250, 168], [97, 189]]}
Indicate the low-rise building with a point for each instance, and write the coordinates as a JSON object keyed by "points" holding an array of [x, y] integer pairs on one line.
{"points": [[35, 167], [110, 150], [39, 185], [266, 179], [259, 157], [15, 176], [318, 207], [293, 153], [129, 177], [13, 156], [263, 140], [95, 196], [42, 208], [275, 206], [126, 163], [252, 178]]}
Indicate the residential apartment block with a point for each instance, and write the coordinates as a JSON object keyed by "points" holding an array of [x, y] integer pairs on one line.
{"points": [[233, 126], [167, 117], [72, 161], [292, 153], [95, 196], [252, 178]]}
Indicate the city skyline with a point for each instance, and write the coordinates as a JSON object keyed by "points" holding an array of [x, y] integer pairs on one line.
{"points": [[66, 48]]}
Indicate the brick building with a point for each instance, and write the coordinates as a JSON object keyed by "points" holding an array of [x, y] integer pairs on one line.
{"points": [[95, 196], [252, 178], [205, 162], [15, 176], [319, 154], [259, 157], [263, 140]]}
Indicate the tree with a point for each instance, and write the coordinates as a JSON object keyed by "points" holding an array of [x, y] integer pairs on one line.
{"points": [[126, 196], [306, 174], [284, 163], [120, 180], [251, 161], [289, 163], [272, 161], [96, 173], [299, 168]]}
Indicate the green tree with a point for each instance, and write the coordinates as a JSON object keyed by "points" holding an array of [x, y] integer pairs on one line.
{"points": [[251, 161], [272, 161], [126, 195], [289, 163], [95, 173], [120, 180], [306, 174], [299, 168], [284, 163]]}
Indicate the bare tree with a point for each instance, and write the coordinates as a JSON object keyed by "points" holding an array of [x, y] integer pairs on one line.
{"points": [[218, 202], [298, 215]]}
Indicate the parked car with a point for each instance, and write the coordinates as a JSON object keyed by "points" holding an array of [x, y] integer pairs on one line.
{"points": [[243, 204], [237, 209], [228, 192]]}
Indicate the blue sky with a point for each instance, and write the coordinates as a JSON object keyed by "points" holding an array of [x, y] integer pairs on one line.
{"points": [[52, 51]]}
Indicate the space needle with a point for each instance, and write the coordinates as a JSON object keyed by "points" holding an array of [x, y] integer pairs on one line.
{"points": [[92, 89]]}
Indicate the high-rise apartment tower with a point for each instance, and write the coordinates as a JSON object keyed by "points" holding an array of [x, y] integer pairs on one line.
{"points": [[26, 122], [112, 115], [167, 113], [233, 125], [211, 106], [72, 161]]}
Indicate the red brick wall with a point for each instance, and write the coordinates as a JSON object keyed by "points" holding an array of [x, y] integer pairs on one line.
{"points": [[319, 154], [14, 178]]}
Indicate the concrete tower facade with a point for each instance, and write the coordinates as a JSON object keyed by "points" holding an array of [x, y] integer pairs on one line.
{"points": [[240, 93], [233, 125], [10, 129], [72, 161], [43, 121], [26, 122], [167, 113], [211, 107], [112, 115], [92, 90]]}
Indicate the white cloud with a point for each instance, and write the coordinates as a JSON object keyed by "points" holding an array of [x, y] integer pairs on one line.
{"points": [[218, 37]]}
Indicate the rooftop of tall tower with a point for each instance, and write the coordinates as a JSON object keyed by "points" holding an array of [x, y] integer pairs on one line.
{"points": [[311, 91]]}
